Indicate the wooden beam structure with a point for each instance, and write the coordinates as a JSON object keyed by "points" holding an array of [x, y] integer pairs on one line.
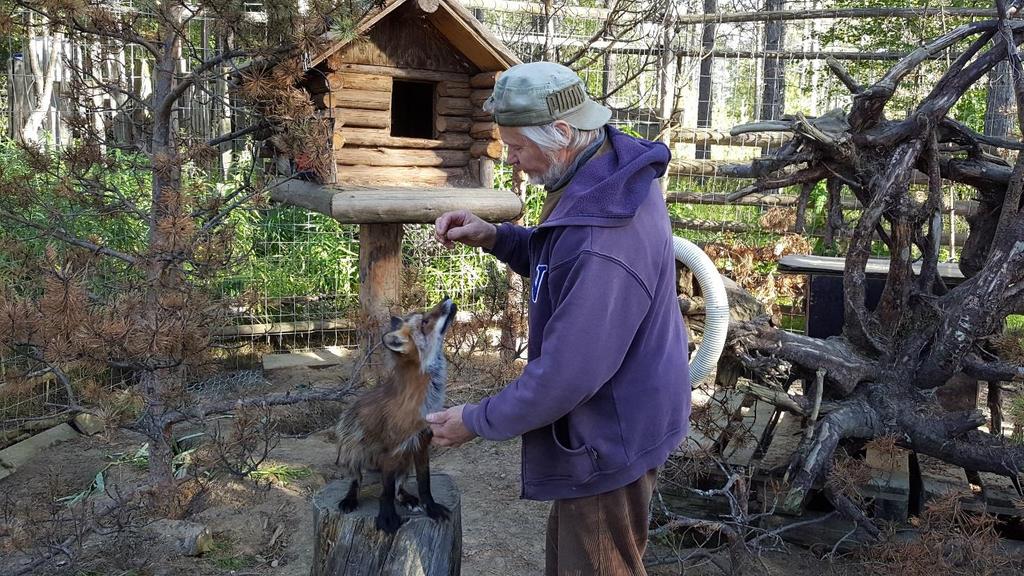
{"points": [[965, 208], [596, 13], [352, 205], [724, 138]]}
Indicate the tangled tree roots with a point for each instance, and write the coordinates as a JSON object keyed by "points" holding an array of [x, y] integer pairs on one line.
{"points": [[879, 378]]}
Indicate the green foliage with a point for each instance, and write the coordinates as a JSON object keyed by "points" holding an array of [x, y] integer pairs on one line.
{"points": [[224, 556], [902, 35], [280, 473]]}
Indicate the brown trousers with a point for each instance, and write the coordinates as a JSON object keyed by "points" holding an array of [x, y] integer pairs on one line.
{"points": [[602, 535]]}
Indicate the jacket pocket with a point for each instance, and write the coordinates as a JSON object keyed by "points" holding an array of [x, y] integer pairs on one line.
{"points": [[547, 458]]}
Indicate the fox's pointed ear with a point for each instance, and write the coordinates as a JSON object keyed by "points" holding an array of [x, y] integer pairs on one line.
{"points": [[395, 341], [396, 323]]}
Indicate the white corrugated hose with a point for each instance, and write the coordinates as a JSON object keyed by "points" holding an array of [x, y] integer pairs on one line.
{"points": [[716, 320]]}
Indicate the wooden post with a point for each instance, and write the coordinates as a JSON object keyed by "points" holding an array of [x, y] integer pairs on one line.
{"points": [[509, 340], [773, 96], [380, 272], [704, 108], [350, 544]]}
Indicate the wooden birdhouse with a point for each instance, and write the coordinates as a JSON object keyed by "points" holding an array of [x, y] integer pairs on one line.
{"points": [[404, 97]]}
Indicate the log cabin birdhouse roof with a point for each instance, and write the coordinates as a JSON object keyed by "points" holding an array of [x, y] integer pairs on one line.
{"points": [[458, 26], [403, 97]]}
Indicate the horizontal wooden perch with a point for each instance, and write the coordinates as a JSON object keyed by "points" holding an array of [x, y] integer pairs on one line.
{"points": [[350, 205]]}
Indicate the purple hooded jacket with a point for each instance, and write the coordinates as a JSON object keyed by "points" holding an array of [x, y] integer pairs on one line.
{"points": [[605, 395]]}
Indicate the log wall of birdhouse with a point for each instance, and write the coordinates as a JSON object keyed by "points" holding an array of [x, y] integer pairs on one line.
{"points": [[366, 85]]}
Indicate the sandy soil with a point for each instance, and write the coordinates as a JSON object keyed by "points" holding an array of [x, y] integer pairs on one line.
{"points": [[268, 529]]}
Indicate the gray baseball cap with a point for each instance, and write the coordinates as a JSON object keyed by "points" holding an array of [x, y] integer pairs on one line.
{"points": [[538, 93]]}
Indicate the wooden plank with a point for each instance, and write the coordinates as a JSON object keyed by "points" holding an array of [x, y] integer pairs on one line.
{"points": [[398, 176], [360, 99], [281, 194], [484, 79], [723, 405], [805, 264], [17, 455], [472, 38], [360, 81], [454, 89], [328, 356], [784, 442], [696, 444], [453, 124], [745, 438], [821, 535], [400, 157], [406, 43], [403, 73], [478, 97], [682, 500], [939, 478], [485, 131], [1000, 495], [318, 83], [356, 118], [722, 138], [396, 205], [487, 149], [377, 137], [964, 208], [423, 206], [450, 106], [890, 483]]}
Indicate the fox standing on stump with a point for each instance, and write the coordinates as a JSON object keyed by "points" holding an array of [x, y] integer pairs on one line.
{"points": [[384, 430]]}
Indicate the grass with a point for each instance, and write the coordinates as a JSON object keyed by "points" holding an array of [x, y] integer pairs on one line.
{"points": [[280, 474], [223, 555]]}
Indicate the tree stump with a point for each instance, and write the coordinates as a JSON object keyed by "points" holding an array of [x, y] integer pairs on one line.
{"points": [[350, 544]]}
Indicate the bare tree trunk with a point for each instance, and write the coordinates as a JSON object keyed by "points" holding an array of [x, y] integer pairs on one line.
{"points": [[550, 51], [667, 81], [163, 277], [43, 81], [608, 74], [222, 108], [999, 102]]}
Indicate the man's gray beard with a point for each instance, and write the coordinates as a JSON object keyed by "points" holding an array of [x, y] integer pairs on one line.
{"points": [[549, 177]]}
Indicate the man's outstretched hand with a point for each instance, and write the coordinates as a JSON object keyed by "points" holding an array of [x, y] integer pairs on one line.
{"points": [[448, 428], [466, 228]]}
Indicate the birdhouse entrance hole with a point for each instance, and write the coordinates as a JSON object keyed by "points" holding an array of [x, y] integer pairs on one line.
{"points": [[412, 109]]}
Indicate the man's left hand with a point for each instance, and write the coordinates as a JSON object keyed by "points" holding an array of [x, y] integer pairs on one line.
{"points": [[448, 428]]}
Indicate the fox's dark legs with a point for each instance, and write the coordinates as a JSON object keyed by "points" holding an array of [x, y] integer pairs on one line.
{"points": [[406, 499], [387, 518], [422, 461], [351, 500]]}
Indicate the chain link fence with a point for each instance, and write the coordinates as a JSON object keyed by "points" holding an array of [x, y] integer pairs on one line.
{"points": [[684, 72]]}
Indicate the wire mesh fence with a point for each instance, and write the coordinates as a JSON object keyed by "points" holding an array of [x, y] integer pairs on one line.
{"points": [[685, 72]]}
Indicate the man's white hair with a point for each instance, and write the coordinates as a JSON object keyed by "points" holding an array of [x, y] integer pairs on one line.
{"points": [[550, 139]]}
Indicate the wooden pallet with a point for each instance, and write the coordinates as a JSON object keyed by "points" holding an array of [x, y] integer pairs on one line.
{"points": [[752, 436], [889, 486]]}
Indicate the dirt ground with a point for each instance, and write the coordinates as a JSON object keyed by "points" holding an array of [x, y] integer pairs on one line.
{"points": [[267, 529]]}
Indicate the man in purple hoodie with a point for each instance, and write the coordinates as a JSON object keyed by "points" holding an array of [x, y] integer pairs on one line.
{"points": [[605, 395]]}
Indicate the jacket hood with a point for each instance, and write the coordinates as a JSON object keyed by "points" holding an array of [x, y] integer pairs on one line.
{"points": [[607, 190]]}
